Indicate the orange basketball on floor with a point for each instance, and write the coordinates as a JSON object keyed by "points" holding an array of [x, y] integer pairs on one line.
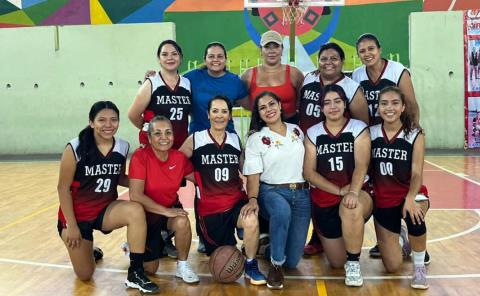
{"points": [[226, 264]]}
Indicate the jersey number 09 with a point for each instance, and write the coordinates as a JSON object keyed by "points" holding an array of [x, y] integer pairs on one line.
{"points": [[221, 174]]}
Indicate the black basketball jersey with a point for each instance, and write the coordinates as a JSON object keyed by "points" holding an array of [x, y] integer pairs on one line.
{"points": [[96, 179], [217, 172], [311, 96], [391, 74], [175, 104], [335, 157], [391, 165]]}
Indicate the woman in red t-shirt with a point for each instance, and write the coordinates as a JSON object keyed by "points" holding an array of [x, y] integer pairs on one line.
{"points": [[156, 172]]}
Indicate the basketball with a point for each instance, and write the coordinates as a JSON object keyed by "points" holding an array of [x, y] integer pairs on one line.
{"points": [[226, 264]]}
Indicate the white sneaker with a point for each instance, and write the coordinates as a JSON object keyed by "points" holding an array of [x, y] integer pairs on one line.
{"points": [[419, 278], [353, 274], [185, 272]]}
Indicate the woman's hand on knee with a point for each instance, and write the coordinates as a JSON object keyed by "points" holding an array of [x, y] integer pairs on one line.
{"points": [[73, 236]]}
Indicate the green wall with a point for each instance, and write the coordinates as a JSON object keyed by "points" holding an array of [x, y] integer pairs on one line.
{"points": [[42, 119], [437, 59]]}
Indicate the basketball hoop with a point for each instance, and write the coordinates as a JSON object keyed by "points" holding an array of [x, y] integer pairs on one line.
{"points": [[293, 11]]}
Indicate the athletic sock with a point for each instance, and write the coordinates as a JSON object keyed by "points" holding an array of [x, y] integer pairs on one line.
{"points": [[249, 260], [418, 258], [181, 263], [353, 257], [136, 260]]}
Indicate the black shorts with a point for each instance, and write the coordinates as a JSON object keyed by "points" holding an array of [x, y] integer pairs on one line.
{"points": [[327, 221], [390, 218], [154, 243], [87, 227], [219, 229]]}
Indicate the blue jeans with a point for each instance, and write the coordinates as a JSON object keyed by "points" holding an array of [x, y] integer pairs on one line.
{"points": [[289, 214]]}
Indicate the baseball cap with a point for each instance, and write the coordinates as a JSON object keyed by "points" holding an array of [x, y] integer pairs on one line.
{"points": [[271, 36]]}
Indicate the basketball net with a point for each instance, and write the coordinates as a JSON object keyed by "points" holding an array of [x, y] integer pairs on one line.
{"points": [[293, 11]]}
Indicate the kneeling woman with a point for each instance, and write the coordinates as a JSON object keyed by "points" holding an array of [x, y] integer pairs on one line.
{"points": [[156, 173], [92, 166], [337, 153], [397, 166], [222, 204], [273, 164]]}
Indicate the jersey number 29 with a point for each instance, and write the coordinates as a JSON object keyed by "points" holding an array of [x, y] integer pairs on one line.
{"points": [[103, 185]]}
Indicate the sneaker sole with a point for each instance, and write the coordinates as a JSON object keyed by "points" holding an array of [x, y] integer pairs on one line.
{"points": [[254, 282], [186, 281], [275, 287], [129, 284], [354, 284], [421, 287], [171, 256]]}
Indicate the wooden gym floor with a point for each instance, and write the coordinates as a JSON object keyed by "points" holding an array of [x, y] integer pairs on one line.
{"points": [[34, 261]]}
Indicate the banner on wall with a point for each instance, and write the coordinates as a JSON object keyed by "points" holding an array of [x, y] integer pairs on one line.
{"points": [[472, 78]]}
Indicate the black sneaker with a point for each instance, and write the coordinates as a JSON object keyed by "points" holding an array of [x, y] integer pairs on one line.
{"points": [[97, 254], [374, 252], [169, 249], [427, 258], [275, 277], [138, 280]]}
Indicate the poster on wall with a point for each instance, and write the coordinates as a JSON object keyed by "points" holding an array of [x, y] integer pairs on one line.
{"points": [[473, 122], [472, 78]]}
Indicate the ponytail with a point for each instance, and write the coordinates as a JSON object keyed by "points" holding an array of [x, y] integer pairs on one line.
{"points": [[86, 144]]}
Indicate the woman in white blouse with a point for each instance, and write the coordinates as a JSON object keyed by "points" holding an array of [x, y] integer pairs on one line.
{"points": [[273, 166]]}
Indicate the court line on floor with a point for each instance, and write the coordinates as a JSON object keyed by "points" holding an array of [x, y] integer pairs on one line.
{"points": [[455, 235], [321, 289], [453, 173], [291, 277], [467, 231], [30, 216]]}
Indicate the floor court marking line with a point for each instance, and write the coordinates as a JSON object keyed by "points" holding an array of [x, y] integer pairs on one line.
{"points": [[453, 173], [321, 289], [292, 277], [28, 217], [452, 236], [467, 231]]}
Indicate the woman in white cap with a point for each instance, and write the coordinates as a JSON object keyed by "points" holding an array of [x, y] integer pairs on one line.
{"points": [[272, 75]]}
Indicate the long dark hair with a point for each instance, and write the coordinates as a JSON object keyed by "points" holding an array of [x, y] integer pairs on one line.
{"points": [[341, 93], [212, 44], [407, 117], [256, 122], [337, 89], [367, 36], [87, 145], [172, 43]]}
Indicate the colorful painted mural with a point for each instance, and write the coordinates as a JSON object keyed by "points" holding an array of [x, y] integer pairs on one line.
{"points": [[199, 22]]}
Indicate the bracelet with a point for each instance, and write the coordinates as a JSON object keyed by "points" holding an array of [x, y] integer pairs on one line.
{"points": [[250, 197], [356, 193]]}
